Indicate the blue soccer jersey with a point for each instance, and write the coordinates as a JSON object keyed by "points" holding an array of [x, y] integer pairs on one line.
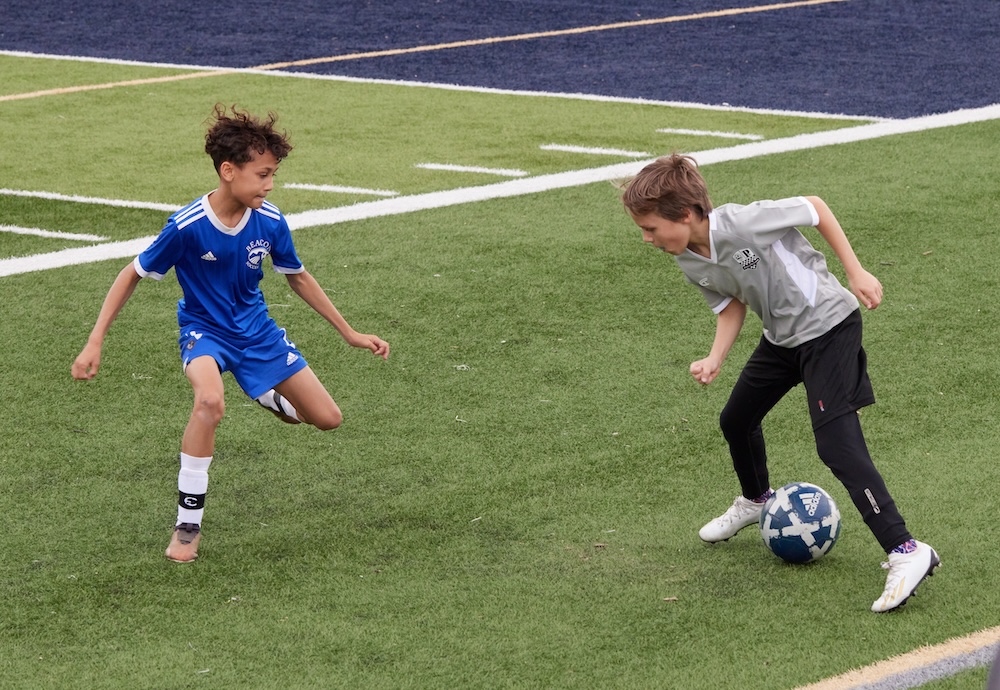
{"points": [[219, 268]]}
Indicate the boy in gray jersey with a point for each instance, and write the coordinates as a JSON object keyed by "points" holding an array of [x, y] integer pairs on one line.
{"points": [[753, 256]]}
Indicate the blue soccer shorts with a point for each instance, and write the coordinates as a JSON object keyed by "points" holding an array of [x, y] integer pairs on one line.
{"points": [[257, 367]]}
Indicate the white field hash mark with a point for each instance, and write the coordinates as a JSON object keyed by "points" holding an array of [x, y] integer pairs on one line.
{"points": [[594, 151], [338, 189], [38, 232], [708, 133], [447, 167], [524, 186]]}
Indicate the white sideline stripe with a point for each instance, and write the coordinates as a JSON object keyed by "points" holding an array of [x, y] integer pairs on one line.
{"points": [[169, 208], [708, 133], [38, 232], [595, 98], [339, 189], [724, 107], [596, 151], [505, 172], [532, 185], [938, 661]]}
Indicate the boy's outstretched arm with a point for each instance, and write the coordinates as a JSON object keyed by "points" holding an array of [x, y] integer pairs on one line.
{"points": [[727, 327], [89, 360], [306, 287], [863, 284]]}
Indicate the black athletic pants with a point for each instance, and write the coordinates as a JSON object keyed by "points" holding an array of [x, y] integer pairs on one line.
{"points": [[833, 368]]}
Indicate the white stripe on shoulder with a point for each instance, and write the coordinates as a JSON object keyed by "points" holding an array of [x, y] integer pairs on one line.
{"points": [[193, 207], [184, 222], [190, 213], [270, 210]]}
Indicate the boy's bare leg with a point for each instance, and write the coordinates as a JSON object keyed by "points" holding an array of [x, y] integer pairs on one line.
{"points": [[197, 448], [313, 403], [209, 406]]}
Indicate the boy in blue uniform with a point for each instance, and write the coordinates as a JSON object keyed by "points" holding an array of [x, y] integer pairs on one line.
{"points": [[753, 256], [216, 246]]}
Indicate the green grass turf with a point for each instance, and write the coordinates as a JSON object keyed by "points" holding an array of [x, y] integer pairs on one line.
{"points": [[514, 497]]}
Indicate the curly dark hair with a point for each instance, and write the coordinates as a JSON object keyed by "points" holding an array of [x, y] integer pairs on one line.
{"points": [[233, 137]]}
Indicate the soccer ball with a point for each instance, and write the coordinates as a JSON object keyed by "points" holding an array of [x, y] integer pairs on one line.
{"points": [[800, 523]]}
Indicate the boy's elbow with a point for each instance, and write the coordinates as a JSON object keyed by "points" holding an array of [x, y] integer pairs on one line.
{"points": [[818, 203], [297, 280]]}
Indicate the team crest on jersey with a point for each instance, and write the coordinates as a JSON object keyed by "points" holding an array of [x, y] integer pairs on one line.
{"points": [[256, 251], [746, 259]]}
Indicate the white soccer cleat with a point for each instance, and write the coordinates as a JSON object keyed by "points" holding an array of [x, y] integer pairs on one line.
{"points": [[742, 513], [906, 571]]}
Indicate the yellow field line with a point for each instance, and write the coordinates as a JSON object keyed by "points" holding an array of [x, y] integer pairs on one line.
{"points": [[428, 48], [115, 84], [549, 34], [918, 658]]}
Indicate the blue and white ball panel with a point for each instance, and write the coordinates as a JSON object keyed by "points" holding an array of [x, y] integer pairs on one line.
{"points": [[800, 523]]}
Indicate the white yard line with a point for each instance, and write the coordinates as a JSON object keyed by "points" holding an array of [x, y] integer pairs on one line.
{"points": [[52, 234], [73, 257], [529, 185], [169, 208]]}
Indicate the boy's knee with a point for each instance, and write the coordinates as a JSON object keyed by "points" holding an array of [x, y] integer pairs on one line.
{"points": [[329, 420], [210, 408], [733, 425]]}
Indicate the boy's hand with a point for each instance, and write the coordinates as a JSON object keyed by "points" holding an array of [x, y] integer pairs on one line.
{"points": [[379, 347], [705, 370], [866, 288], [87, 363]]}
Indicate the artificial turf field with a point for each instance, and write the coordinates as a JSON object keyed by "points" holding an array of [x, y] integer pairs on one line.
{"points": [[514, 497]]}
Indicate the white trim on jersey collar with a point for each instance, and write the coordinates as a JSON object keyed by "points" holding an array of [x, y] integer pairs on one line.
{"points": [[713, 257], [219, 225]]}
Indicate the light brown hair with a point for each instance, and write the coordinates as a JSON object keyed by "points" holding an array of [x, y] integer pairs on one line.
{"points": [[668, 187]]}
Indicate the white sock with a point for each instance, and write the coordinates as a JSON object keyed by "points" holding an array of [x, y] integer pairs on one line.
{"points": [[192, 485], [274, 401]]}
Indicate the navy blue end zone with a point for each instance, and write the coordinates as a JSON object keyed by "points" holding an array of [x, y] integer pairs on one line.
{"points": [[860, 57]]}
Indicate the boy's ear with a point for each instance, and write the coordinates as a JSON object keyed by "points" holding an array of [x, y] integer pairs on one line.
{"points": [[226, 171]]}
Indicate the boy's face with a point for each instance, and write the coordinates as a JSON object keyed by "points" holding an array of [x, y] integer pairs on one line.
{"points": [[671, 236], [252, 181]]}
